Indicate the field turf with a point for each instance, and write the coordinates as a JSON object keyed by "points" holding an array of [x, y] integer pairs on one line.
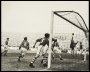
{"points": [[69, 63]]}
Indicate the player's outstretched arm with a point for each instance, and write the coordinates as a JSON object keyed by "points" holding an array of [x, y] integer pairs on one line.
{"points": [[20, 46], [34, 44], [38, 40]]}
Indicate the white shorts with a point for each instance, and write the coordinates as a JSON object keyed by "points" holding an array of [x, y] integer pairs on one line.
{"points": [[42, 49], [38, 43], [6, 47], [57, 50], [23, 50], [39, 49], [45, 49]]}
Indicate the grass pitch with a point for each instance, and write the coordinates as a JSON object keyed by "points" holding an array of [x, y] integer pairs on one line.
{"points": [[69, 63]]}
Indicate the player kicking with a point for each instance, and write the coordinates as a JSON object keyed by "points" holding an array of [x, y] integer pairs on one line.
{"points": [[42, 48], [23, 48], [44, 52], [5, 47]]}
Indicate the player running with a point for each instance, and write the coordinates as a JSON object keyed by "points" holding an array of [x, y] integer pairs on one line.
{"points": [[23, 48], [5, 47], [43, 47], [44, 43], [55, 47]]}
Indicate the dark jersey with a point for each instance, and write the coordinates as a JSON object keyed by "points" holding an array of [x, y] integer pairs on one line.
{"points": [[39, 40], [55, 44], [81, 47], [73, 44], [44, 42], [6, 42], [54, 40], [25, 44]]}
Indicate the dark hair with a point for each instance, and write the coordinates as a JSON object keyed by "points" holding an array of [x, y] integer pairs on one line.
{"points": [[55, 40], [72, 33], [47, 35], [25, 38], [7, 38], [80, 42]]}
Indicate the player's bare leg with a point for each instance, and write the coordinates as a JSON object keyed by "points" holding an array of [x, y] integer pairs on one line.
{"points": [[60, 57], [72, 53], [5, 53], [33, 61], [21, 56], [44, 59], [45, 56], [37, 56], [57, 50]]}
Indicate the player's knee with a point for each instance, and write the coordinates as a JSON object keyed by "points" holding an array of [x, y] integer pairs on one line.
{"points": [[37, 56], [5, 50], [22, 56]]}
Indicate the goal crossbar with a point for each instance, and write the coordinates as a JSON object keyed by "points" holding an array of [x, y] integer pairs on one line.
{"points": [[56, 13], [51, 30]]}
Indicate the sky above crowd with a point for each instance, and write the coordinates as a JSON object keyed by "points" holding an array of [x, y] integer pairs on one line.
{"points": [[35, 16]]}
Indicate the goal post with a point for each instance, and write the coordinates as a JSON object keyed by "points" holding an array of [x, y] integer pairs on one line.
{"points": [[82, 26], [56, 13], [87, 37], [50, 41], [85, 29]]}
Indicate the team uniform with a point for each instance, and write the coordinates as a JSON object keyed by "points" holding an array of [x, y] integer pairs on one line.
{"points": [[5, 48], [37, 41], [43, 50], [72, 45], [42, 45], [56, 48], [81, 48], [23, 49]]}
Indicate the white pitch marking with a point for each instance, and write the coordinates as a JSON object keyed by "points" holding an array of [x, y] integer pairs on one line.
{"points": [[44, 69]]}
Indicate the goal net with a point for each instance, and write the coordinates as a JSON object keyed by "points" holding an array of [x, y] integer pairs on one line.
{"points": [[63, 24]]}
